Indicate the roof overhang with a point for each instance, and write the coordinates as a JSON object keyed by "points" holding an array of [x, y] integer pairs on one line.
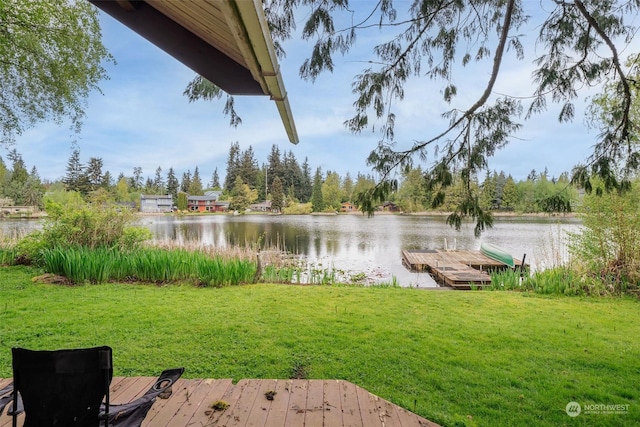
{"points": [[225, 41]]}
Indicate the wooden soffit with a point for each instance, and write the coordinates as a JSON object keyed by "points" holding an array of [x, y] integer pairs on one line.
{"points": [[225, 41]]}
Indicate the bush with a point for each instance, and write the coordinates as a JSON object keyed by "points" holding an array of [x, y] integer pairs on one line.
{"points": [[80, 225], [608, 247], [298, 209]]}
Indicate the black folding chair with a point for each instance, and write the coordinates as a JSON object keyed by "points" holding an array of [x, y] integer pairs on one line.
{"points": [[62, 387], [66, 388]]}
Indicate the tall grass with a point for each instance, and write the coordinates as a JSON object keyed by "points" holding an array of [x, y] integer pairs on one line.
{"points": [[560, 280], [156, 265]]}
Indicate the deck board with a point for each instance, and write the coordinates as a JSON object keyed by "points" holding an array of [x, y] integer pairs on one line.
{"points": [[458, 269], [309, 403]]}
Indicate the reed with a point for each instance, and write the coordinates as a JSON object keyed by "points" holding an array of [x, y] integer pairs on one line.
{"points": [[156, 265]]}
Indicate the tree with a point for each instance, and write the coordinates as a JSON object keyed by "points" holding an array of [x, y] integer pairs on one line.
{"points": [[195, 186], [411, 194], [215, 180], [248, 168], [347, 188], [51, 58], [75, 170], [172, 184], [93, 173], [578, 45], [306, 185], [331, 191], [233, 163], [242, 196], [277, 195], [158, 182], [275, 168], [509, 193], [186, 182], [137, 178], [182, 201], [317, 202]]}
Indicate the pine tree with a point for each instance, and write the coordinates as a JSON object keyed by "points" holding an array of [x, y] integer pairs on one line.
{"points": [[75, 170], [306, 187], [277, 195], [215, 180], [317, 202], [195, 186], [248, 168], [186, 182], [158, 182], [233, 163], [93, 173], [274, 165], [172, 184], [137, 178]]}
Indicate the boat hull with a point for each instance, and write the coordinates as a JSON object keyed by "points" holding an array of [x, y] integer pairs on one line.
{"points": [[497, 253]]}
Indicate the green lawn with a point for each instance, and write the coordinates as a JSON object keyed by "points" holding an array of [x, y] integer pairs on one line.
{"points": [[458, 358]]}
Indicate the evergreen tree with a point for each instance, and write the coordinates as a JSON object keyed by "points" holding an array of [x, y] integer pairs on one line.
{"points": [[306, 187], [274, 166], [172, 184], [137, 178], [107, 181], [93, 173], [248, 168], [509, 193], [186, 182], [158, 182], [215, 180], [241, 196], [233, 164], [292, 175], [347, 188], [488, 191], [74, 172], [195, 186], [317, 202], [277, 195]]}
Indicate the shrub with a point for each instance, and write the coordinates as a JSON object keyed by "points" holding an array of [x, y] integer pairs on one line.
{"points": [[608, 247]]}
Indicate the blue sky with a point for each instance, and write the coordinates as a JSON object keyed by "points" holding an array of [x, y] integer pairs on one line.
{"points": [[142, 119]]}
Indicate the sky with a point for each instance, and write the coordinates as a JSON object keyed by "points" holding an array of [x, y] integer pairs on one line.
{"points": [[142, 119]]}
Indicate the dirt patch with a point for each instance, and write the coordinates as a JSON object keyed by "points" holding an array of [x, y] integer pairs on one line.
{"points": [[52, 279]]}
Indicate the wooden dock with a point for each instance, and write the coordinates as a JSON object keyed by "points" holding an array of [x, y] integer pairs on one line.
{"points": [[458, 269], [309, 403]]}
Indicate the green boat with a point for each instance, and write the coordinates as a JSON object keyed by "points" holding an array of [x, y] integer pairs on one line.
{"points": [[496, 253]]}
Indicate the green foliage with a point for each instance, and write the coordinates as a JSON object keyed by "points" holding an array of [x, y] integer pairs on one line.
{"points": [[298, 209], [82, 264], [277, 195], [51, 58], [317, 200], [242, 196], [608, 246], [182, 202], [82, 225]]}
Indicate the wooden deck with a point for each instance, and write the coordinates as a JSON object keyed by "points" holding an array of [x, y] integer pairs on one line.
{"points": [[310, 403], [458, 269]]}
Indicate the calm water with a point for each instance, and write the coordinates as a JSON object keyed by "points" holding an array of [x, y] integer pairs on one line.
{"points": [[355, 243]]}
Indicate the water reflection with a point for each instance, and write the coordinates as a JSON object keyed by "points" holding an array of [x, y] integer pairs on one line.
{"points": [[357, 243], [354, 242]]}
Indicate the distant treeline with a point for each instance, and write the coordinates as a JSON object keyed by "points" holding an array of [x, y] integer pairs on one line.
{"points": [[281, 179]]}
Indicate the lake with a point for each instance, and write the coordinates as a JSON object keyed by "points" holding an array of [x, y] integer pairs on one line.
{"points": [[356, 243]]}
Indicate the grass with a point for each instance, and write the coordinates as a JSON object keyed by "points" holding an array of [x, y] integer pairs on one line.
{"points": [[457, 358]]}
